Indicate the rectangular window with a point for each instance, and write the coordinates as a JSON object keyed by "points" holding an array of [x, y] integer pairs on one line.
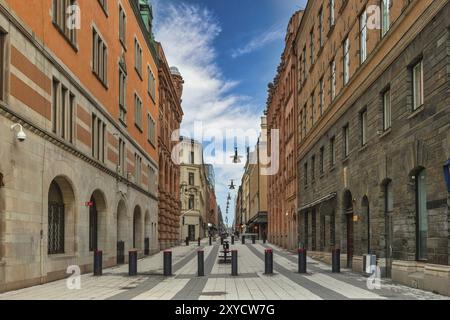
{"points": [[305, 173], [301, 124], [333, 80], [346, 48], [363, 123], [311, 46], [122, 26], [304, 121], [191, 179], [2, 65], [191, 202], [137, 57], [138, 111], [313, 168], [151, 130], [387, 110], [331, 7], [62, 11], [321, 27], [421, 216], [98, 133], [385, 16], [417, 74], [99, 57], [138, 168], [304, 63], [122, 95], [122, 151], [363, 37], [151, 84], [312, 109], [321, 96], [346, 141], [63, 108], [191, 158], [151, 179], [333, 151], [322, 160]]}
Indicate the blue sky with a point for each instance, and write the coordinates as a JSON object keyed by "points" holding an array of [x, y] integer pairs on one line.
{"points": [[227, 52]]}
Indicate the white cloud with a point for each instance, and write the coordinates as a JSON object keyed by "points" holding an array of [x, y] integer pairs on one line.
{"points": [[259, 42], [187, 33]]}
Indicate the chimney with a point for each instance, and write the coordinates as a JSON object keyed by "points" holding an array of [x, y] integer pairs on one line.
{"points": [[177, 81]]}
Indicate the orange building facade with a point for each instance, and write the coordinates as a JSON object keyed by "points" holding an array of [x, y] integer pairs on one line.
{"points": [[87, 98]]}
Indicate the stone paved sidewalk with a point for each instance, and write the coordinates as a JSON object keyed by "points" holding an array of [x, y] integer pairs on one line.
{"points": [[218, 284]]}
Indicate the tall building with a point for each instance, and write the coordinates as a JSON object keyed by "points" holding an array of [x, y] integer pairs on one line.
{"points": [[281, 111], [170, 116], [195, 191], [374, 136], [84, 179]]}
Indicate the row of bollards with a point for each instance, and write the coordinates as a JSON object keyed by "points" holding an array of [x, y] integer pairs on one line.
{"points": [[167, 262]]}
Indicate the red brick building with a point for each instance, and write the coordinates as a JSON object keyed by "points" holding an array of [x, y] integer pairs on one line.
{"points": [[170, 116], [282, 115]]}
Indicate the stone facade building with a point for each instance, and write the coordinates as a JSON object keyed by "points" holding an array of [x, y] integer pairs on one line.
{"points": [[170, 116], [281, 113], [85, 178], [374, 136]]}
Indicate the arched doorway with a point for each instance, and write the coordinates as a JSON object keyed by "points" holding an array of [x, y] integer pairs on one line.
{"points": [[365, 225], [348, 211], [147, 233], [388, 223], [137, 228], [122, 231], [61, 217], [97, 221]]}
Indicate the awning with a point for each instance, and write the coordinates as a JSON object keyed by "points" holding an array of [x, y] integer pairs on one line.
{"points": [[260, 217], [316, 202]]}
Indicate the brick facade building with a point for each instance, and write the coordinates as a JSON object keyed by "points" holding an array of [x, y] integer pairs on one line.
{"points": [[85, 178], [374, 123], [282, 115], [170, 116]]}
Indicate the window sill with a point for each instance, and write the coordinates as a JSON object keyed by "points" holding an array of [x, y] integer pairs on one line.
{"points": [[139, 73], [330, 31], [151, 143], [322, 175], [124, 46], [123, 123], [346, 159], [333, 167], [385, 133], [61, 256], [104, 84], [73, 45], [416, 112], [137, 127]]}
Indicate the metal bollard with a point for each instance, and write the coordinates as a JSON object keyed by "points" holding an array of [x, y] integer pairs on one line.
{"points": [[221, 241], [336, 261], [302, 260], [187, 241], [253, 239], [232, 240], [264, 240], [268, 261], [167, 263], [132, 263], [210, 240], [98, 255], [243, 240], [201, 263], [234, 263], [199, 241]]}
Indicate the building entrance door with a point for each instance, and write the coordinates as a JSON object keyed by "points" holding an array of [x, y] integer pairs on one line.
{"points": [[191, 233]]}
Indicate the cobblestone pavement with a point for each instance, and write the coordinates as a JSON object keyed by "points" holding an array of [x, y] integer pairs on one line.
{"points": [[218, 284]]}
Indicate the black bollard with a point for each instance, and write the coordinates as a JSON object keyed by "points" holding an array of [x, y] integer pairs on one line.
{"points": [[132, 263], [232, 240], [234, 263], [264, 240], [187, 241], [146, 246], [201, 263], [243, 240], [167, 263], [199, 241], [221, 241], [253, 239], [98, 263], [302, 260], [210, 240], [336, 261], [268, 259]]}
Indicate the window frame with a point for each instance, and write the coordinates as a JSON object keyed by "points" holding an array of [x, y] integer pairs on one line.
{"points": [[415, 104]]}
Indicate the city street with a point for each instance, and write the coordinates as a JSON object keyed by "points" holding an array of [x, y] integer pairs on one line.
{"points": [[218, 284]]}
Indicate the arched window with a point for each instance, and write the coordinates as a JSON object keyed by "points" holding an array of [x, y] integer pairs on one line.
{"points": [[56, 216], [421, 215]]}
